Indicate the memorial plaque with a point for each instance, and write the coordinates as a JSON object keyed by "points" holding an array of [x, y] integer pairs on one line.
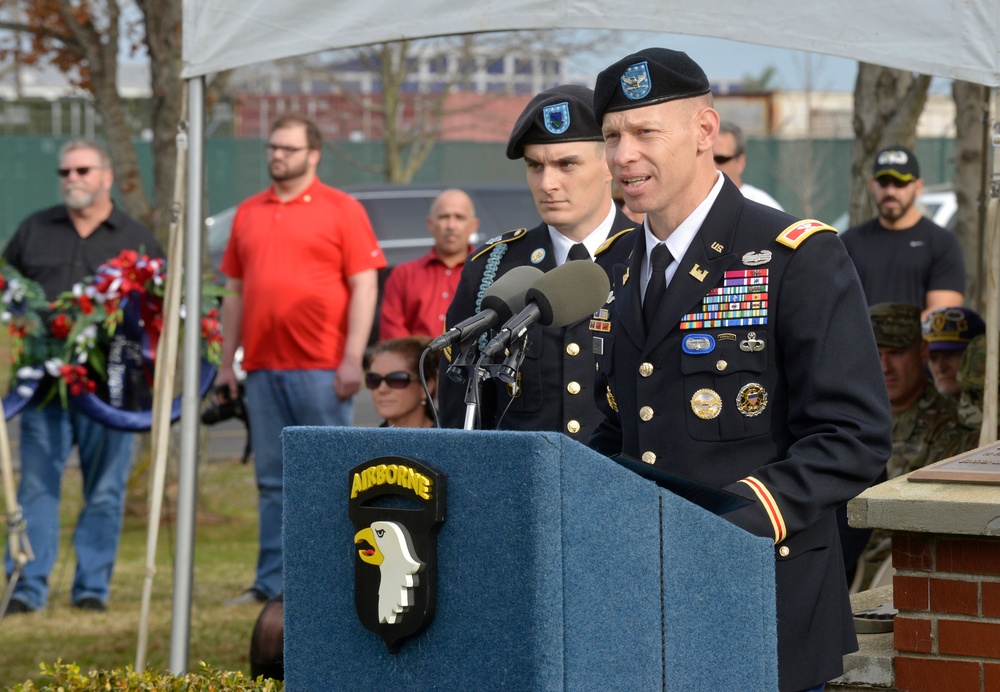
{"points": [[977, 466]]}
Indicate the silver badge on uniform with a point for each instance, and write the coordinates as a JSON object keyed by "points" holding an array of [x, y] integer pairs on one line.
{"points": [[698, 343], [752, 344], [751, 400], [598, 346], [755, 259]]}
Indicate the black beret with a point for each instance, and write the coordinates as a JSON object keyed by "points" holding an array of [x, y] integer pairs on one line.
{"points": [[559, 114], [652, 75]]}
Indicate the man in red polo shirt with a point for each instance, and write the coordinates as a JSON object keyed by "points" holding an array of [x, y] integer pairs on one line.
{"points": [[302, 263], [418, 293]]}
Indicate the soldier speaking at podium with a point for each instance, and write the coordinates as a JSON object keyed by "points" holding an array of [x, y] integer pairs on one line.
{"points": [[739, 351], [563, 152]]}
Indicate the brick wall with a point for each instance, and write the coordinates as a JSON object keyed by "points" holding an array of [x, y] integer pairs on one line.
{"points": [[947, 632]]}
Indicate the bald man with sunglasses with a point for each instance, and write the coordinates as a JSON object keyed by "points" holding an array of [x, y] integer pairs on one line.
{"points": [[901, 256]]}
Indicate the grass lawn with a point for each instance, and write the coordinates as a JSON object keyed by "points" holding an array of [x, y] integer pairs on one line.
{"points": [[225, 555]]}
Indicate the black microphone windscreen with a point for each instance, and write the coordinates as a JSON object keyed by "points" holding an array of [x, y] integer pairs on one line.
{"points": [[569, 293], [506, 295]]}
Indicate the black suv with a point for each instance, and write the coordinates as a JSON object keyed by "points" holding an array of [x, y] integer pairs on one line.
{"points": [[398, 214], [399, 217]]}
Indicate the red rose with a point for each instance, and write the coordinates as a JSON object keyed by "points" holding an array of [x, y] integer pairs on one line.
{"points": [[62, 325]]}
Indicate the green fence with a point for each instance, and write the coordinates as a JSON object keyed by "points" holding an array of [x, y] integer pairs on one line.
{"points": [[809, 178]]}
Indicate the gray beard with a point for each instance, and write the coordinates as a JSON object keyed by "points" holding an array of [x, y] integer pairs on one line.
{"points": [[78, 199]]}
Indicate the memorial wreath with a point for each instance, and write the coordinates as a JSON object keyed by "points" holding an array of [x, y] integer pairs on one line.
{"points": [[98, 341]]}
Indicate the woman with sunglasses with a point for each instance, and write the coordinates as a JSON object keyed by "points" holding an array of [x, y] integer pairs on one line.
{"points": [[391, 373]]}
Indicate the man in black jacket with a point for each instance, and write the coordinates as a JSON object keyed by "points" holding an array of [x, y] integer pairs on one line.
{"points": [[563, 152], [754, 368]]}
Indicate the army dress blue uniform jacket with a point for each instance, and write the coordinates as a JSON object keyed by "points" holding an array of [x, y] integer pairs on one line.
{"points": [[790, 413], [557, 373]]}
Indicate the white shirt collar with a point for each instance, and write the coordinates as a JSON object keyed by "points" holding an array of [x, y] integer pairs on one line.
{"points": [[680, 240], [561, 244]]}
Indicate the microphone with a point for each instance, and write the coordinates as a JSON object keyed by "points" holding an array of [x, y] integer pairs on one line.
{"points": [[501, 300], [560, 297]]}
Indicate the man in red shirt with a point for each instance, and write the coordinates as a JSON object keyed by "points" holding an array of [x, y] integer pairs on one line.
{"points": [[302, 263], [418, 293]]}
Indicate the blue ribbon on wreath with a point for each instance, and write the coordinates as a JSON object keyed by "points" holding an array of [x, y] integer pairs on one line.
{"points": [[130, 362]]}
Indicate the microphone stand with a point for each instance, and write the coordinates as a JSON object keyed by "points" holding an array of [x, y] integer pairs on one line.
{"points": [[466, 366], [507, 371], [472, 392]]}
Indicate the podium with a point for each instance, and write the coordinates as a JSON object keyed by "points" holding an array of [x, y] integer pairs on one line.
{"points": [[556, 569]]}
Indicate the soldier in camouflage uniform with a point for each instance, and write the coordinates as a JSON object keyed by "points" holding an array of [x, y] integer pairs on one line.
{"points": [[971, 383], [925, 425]]}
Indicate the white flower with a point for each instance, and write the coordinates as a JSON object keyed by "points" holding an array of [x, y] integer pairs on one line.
{"points": [[30, 372]]}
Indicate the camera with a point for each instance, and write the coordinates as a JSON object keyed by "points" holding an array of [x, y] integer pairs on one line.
{"points": [[223, 407]]}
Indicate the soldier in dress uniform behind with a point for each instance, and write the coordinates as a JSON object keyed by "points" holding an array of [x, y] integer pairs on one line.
{"points": [[745, 359], [563, 152]]}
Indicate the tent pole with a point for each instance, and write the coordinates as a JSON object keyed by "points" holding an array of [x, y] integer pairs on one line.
{"points": [[180, 633], [991, 283], [163, 386]]}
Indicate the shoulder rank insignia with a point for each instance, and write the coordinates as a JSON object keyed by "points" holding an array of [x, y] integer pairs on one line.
{"points": [[796, 233], [611, 241], [500, 240]]}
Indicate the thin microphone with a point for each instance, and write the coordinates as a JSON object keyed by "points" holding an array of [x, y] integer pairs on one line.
{"points": [[560, 297], [501, 300]]}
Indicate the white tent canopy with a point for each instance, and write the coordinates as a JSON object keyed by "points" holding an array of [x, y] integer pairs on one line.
{"points": [[959, 39]]}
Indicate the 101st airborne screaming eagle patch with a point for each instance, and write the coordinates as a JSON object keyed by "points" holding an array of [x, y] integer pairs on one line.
{"points": [[396, 506]]}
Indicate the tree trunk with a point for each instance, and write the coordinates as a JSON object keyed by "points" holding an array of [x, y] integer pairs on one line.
{"points": [[100, 52], [971, 179], [163, 40], [887, 104]]}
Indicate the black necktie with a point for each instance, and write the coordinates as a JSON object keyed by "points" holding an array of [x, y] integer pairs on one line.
{"points": [[578, 252], [659, 259]]}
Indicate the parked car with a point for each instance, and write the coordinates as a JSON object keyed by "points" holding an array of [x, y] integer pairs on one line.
{"points": [[937, 203], [398, 214]]}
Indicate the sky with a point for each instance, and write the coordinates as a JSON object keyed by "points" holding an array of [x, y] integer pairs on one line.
{"points": [[731, 61]]}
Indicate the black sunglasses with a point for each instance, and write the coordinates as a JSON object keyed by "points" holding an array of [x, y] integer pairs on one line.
{"points": [[719, 159], [287, 151], [80, 171], [887, 180], [394, 380]]}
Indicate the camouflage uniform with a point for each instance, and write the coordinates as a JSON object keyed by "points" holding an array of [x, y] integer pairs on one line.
{"points": [[926, 432], [971, 383]]}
